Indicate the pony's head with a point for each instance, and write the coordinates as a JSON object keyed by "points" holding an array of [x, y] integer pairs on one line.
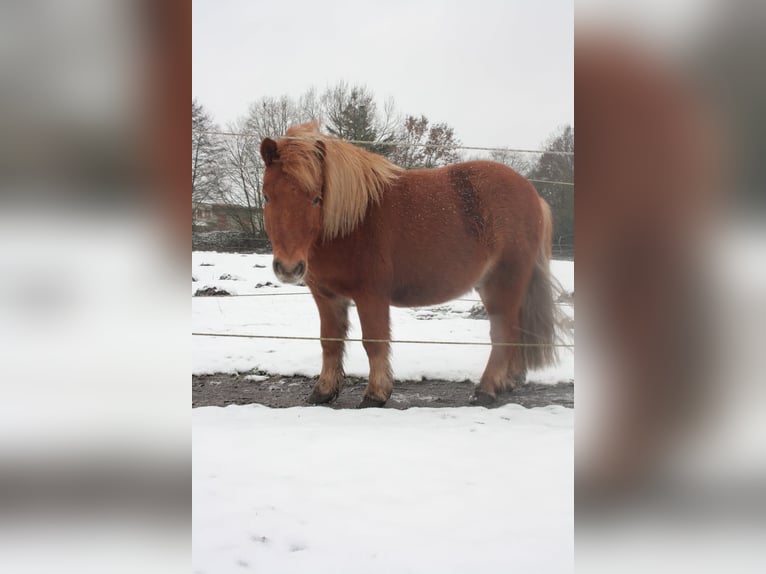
{"points": [[316, 188], [292, 213]]}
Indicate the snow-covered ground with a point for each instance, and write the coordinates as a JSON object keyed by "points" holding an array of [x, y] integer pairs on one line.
{"points": [[311, 489], [291, 311]]}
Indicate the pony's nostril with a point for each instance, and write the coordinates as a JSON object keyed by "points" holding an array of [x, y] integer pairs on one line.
{"points": [[285, 273]]}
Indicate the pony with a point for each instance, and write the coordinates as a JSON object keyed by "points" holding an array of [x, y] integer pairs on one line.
{"points": [[355, 227]]}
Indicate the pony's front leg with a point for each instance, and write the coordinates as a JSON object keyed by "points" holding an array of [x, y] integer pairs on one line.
{"points": [[333, 315], [374, 317]]}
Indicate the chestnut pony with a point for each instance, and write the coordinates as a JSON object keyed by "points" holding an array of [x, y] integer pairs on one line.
{"points": [[354, 226]]}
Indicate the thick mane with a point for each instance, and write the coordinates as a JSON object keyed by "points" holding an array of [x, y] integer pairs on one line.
{"points": [[350, 176]]}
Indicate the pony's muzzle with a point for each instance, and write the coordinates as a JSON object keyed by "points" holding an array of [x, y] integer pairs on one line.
{"points": [[288, 274]]}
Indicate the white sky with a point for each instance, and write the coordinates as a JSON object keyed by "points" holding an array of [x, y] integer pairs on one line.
{"points": [[499, 71]]}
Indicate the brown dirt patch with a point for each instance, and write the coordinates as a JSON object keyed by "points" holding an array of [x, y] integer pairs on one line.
{"points": [[290, 391]]}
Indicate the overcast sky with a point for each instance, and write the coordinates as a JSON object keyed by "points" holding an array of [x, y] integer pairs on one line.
{"points": [[499, 71]]}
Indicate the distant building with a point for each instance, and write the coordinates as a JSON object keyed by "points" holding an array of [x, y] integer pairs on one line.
{"points": [[224, 217]]}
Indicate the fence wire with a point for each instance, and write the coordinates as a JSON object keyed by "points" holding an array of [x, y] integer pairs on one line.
{"points": [[235, 295], [389, 143], [410, 144], [391, 341]]}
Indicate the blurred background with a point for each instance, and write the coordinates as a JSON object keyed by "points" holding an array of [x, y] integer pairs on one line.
{"points": [[94, 311], [669, 219]]}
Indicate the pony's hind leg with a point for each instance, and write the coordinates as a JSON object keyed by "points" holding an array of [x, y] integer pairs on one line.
{"points": [[502, 294], [375, 320], [333, 315]]}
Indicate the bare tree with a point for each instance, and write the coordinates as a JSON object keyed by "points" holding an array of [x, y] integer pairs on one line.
{"points": [[309, 107], [207, 156], [408, 153], [270, 117], [243, 170], [441, 146], [519, 161], [425, 145], [266, 117]]}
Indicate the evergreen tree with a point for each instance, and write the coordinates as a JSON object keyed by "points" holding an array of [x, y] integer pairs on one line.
{"points": [[351, 113], [558, 167]]}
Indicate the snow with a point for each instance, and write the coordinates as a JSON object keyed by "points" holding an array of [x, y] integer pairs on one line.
{"points": [[380, 490], [291, 312], [312, 489]]}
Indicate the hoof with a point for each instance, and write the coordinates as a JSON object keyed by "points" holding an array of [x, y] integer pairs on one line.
{"points": [[482, 398], [370, 402], [318, 398], [518, 379]]}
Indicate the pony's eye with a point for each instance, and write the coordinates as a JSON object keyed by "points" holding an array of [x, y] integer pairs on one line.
{"points": [[265, 199], [316, 201]]}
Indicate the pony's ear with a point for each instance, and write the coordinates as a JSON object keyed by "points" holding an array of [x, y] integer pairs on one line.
{"points": [[269, 151]]}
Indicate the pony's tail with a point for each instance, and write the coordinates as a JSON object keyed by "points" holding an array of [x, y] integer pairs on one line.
{"points": [[541, 317]]}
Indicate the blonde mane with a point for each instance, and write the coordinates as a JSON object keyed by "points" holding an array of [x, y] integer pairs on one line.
{"points": [[350, 177]]}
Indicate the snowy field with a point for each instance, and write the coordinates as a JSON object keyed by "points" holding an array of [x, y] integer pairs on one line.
{"points": [[292, 312], [311, 489]]}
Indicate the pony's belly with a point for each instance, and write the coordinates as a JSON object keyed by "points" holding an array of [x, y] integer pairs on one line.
{"points": [[439, 284], [421, 295]]}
